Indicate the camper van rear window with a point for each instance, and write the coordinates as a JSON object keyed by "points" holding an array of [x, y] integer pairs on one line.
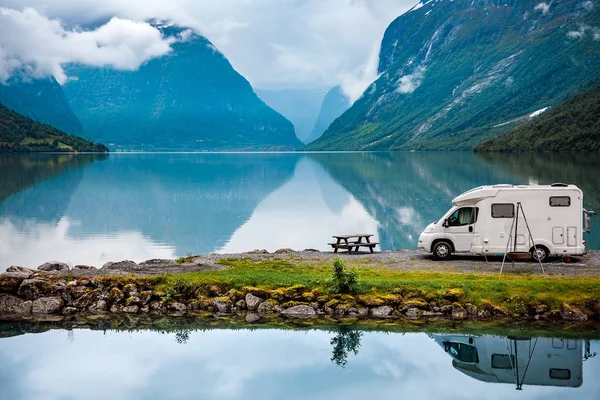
{"points": [[501, 210], [560, 201], [556, 373]]}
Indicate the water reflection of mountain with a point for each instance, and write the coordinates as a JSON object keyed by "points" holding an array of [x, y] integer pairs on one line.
{"points": [[40, 186], [407, 191], [517, 360], [191, 201]]}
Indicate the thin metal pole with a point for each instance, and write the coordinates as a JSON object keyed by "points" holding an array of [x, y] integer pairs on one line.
{"points": [[507, 244], [533, 241]]}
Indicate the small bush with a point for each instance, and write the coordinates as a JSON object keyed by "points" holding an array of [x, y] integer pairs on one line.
{"points": [[343, 280]]}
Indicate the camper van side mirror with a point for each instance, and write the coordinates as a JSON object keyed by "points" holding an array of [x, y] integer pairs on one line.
{"points": [[445, 224]]}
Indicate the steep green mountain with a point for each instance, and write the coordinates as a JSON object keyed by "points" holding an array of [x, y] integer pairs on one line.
{"points": [[19, 133], [334, 105], [299, 106], [571, 126], [42, 100], [454, 73], [190, 99]]}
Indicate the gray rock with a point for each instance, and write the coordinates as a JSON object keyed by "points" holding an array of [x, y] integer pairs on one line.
{"points": [[99, 307], [133, 301], [267, 307], [222, 304], [131, 309], [328, 310], [32, 289], [47, 305], [363, 311], [484, 314], [432, 314], [570, 313], [69, 310], [240, 304], [177, 307], [130, 290], [471, 309], [413, 313], [157, 262], [22, 270], [300, 311], [84, 267], [252, 301], [115, 308], [382, 311], [145, 309], [12, 305], [121, 266], [252, 317], [458, 312], [11, 281], [54, 266], [157, 306]]}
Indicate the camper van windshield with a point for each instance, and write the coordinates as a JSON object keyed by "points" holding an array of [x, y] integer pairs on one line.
{"points": [[462, 216], [462, 352]]}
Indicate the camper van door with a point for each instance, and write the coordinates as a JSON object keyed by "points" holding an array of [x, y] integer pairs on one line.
{"points": [[460, 228]]}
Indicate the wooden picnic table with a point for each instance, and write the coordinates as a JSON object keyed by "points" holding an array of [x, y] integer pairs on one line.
{"points": [[353, 241]]}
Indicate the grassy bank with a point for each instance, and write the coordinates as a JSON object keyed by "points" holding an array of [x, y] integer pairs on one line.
{"points": [[515, 293]]}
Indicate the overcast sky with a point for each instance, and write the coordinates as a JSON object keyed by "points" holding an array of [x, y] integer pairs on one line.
{"points": [[273, 43]]}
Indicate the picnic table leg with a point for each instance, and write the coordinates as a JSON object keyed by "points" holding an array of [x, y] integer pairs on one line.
{"points": [[336, 248], [349, 248], [359, 242]]}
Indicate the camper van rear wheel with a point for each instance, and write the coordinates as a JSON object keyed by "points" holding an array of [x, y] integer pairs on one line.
{"points": [[542, 252], [442, 250]]}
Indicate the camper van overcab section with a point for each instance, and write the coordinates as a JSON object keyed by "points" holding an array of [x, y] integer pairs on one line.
{"points": [[481, 221]]}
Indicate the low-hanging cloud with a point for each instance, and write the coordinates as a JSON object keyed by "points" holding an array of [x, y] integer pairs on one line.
{"points": [[36, 46], [409, 83], [543, 7]]}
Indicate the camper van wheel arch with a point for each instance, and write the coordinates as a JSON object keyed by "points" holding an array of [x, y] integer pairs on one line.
{"points": [[543, 252], [442, 249]]}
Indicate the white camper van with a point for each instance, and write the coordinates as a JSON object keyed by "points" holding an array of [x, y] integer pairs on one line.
{"points": [[516, 360], [487, 220]]}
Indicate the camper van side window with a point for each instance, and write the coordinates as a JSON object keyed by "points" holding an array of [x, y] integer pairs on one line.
{"points": [[503, 210], [560, 201], [556, 373]]}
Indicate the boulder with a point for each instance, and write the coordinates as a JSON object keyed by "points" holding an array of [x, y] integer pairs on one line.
{"points": [[413, 313], [382, 311], [252, 301], [570, 313], [23, 270], [11, 281], [12, 305], [284, 251], [432, 314], [130, 290], [69, 310], [363, 311], [47, 305], [300, 311], [252, 317], [32, 289], [99, 306], [458, 312], [84, 267], [454, 294], [115, 295], [240, 304], [420, 304], [133, 301], [157, 306], [121, 266], [131, 309], [268, 307], [222, 304], [54, 266], [471, 309], [176, 307]]}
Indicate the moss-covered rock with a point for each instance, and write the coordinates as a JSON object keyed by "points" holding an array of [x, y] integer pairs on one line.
{"points": [[235, 295], [370, 300], [258, 292], [571, 313], [115, 295], [453, 295], [295, 292], [293, 304], [420, 304]]}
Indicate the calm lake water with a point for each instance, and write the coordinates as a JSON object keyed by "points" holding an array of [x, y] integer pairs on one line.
{"points": [[292, 364], [90, 209]]}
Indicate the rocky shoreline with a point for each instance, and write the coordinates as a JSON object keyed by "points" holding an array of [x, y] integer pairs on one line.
{"points": [[53, 289]]}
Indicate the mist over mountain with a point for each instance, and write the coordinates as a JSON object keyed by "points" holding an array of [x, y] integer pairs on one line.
{"points": [[334, 105], [453, 73], [189, 99]]}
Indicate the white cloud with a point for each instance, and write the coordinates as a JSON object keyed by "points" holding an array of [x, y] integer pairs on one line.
{"points": [[588, 5], [355, 82], [543, 7], [38, 46], [410, 83], [580, 33], [273, 43]]}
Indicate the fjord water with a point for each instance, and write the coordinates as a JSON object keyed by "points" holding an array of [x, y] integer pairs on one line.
{"points": [[293, 364], [90, 209]]}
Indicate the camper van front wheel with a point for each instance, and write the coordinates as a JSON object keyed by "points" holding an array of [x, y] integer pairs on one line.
{"points": [[442, 250], [542, 252]]}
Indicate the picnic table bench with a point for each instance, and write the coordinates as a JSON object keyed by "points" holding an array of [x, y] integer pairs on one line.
{"points": [[354, 241]]}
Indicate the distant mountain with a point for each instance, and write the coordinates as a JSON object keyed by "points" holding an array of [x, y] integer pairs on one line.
{"points": [[571, 126], [300, 106], [190, 99], [334, 105], [454, 73], [42, 100], [19, 133]]}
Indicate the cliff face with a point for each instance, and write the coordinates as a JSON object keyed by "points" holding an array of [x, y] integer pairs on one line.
{"points": [[456, 72], [190, 99], [334, 105], [42, 100]]}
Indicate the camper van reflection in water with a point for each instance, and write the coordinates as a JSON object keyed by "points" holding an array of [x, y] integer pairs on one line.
{"points": [[517, 360]]}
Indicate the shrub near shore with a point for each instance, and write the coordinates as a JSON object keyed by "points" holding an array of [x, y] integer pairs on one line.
{"points": [[284, 287]]}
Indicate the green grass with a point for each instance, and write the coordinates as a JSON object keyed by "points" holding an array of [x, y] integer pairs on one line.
{"points": [[511, 291]]}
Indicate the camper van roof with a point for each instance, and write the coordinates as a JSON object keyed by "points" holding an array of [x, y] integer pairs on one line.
{"points": [[483, 192]]}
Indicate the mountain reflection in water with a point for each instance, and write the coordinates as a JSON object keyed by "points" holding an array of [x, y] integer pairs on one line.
{"points": [[251, 362], [93, 209]]}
